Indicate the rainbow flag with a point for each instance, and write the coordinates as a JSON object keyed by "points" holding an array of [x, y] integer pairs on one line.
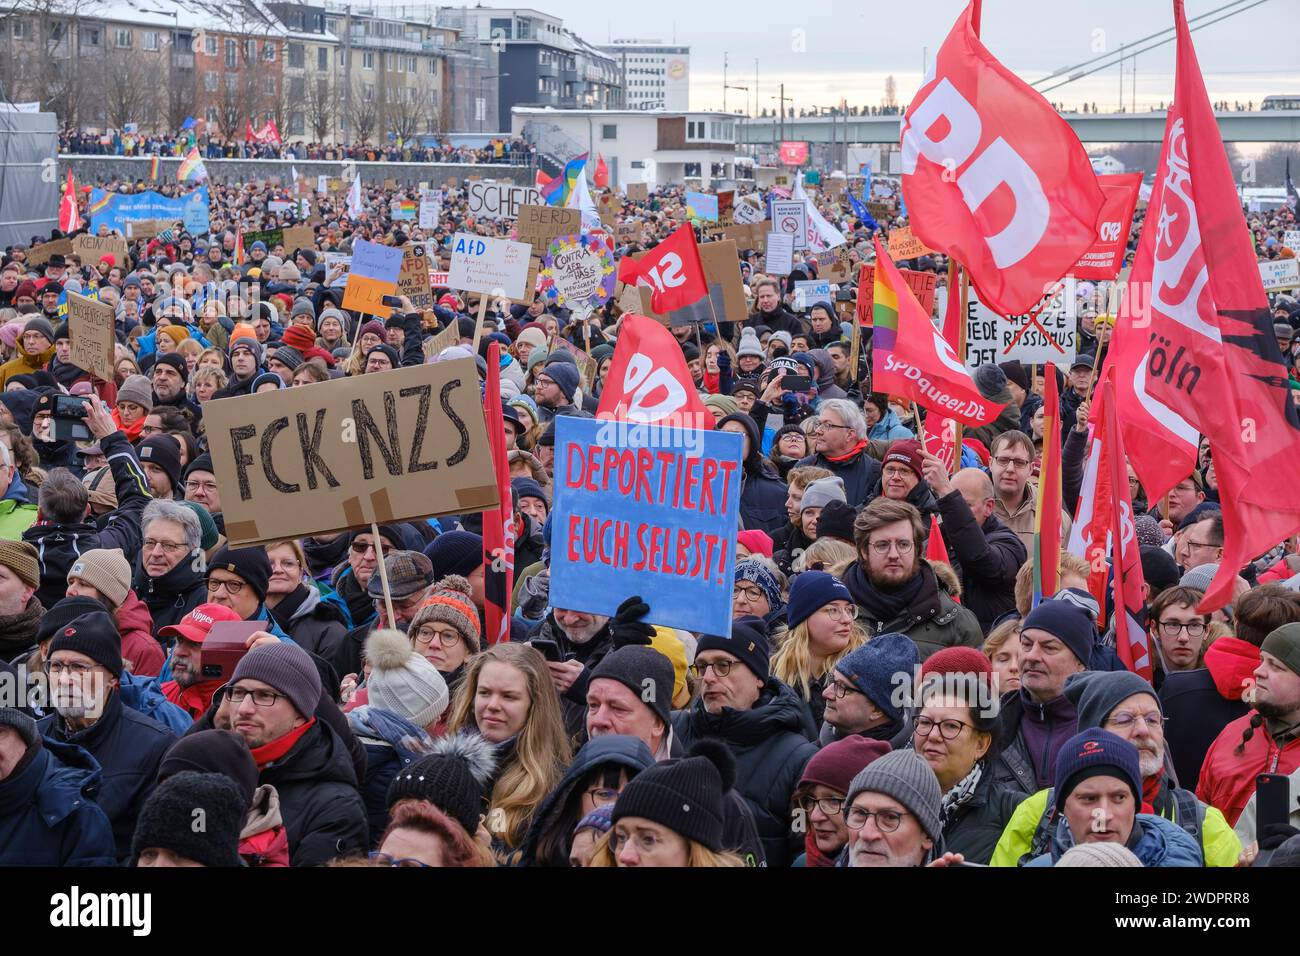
{"points": [[556, 192], [153, 167], [1047, 516], [192, 168], [239, 248], [99, 205], [409, 208]]}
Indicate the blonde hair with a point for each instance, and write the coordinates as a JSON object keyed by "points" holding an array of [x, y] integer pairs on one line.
{"points": [[1068, 564], [793, 663], [188, 347], [697, 855], [999, 636], [355, 363], [805, 475], [542, 748], [831, 553], [204, 373]]}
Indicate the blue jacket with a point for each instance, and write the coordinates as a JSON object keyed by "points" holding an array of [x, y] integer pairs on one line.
{"points": [[1162, 844], [890, 428], [144, 695], [48, 814], [148, 341]]}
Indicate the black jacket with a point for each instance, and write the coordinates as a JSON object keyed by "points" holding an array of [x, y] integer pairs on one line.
{"points": [[1197, 713], [932, 620], [48, 813], [860, 473], [921, 497], [782, 320], [59, 545], [977, 825], [173, 595], [315, 625], [573, 702], [324, 816], [988, 556], [771, 743]]}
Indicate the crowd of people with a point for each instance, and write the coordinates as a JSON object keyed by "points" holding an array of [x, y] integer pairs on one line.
{"points": [[871, 706]]}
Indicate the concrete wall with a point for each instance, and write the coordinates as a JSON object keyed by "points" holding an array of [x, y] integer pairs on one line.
{"points": [[90, 169]]}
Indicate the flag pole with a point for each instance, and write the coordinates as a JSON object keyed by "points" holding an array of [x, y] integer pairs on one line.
{"points": [[954, 266], [383, 574], [920, 429], [478, 324]]}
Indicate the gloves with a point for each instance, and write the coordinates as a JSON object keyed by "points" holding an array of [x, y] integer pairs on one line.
{"points": [[724, 360], [1274, 835], [626, 627]]}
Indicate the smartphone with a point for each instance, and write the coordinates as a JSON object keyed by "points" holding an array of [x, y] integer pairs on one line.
{"points": [[548, 649], [392, 301], [845, 295], [1272, 800], [796, 383], [69, 418]]}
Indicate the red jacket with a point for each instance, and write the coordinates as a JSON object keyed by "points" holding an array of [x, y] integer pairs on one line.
{"points": [[195, 699], [1228, 778], [135, 624]]}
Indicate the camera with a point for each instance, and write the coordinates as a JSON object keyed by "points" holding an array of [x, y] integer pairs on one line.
{"points": [[69, 414]]}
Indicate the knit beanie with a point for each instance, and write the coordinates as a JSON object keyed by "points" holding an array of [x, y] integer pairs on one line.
{"points": [[302, 306], [1095, 753], [107, 571], [1199, 577], [168, 820], [137, 389], [836, 521], [990, 380], [836, 764], [532, 336], [1284, 644], [450, 604], [202, 463], [906, 451], [213, 751], [244, 336], [1015, 372], [904, 776], [175, 360], [1068, 623], [251, 565], [288, 355], [645, 672], [687, 796], [374, 327], [95, 635], [162, 450], [402, 681], [62, 613], [42, 325], [287, 668], [455, 552], [748, 643], [1096, 693], [1098, 854], [452, 777], [177, 333], [881, 669], [723, 403], [811, 592], [393, 357], [300, 338], [823, 491], [23, 724], [20, 557], [756, 541], [563, 375], [749, 345], [208, 533], [601, 819], [529, 488], [760, 573]]}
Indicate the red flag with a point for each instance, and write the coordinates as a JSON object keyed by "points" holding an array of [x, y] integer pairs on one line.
{"points": [[600, 178], [672, 269], [499, 523], [910, 358], [1105, 257], [935, 549], [1047, 517], [69, 218], [1007, 188], [941, 439], [248, 132], [541, 179], [1212, 353], [1126, 558], [648, 381]]}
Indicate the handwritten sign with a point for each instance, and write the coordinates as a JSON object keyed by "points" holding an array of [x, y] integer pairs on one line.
{"points": [[578, 271], [780, 253], [1046, 334], [489, 266], [374, 273], [91, 329], [414, 280], [92, 248], [904, 245], [538, 225], [638, 192], [500, 200], [922, 285]]}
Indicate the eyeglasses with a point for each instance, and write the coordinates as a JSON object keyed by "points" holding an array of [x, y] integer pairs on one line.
{"points": [[645, 842], [750, 594], [288, 564], [1018, 463], [426, 636], [822, 426], [887, 821], [361, 547], [208, 486], [722, 668], [1124, 720], [150, 430], [838, 689], [883, 547], [829, 805], [602, 796], [232, 587], [838, 612], [261, 698], [383, 859], [1172, 629], [1199, 544], [55, 668], [949, 729], [171, 547]]}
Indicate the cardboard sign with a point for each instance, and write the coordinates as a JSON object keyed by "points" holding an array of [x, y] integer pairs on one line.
{"points": [[839, 268], [650, 510], [578, 271], [1291, 239], [880, 211], [489, 266], [1280, 274], [389, 446], [414, 281], [726, 205], [443, 340], [904, 245], [538, 225], [91, 329], [146, 228], [298, 237], [702, 206], [780, 254], [91, 248], [748, 210], [374, 273], [922, 284], [627, 233], [39, 255], [726, 299], [1048, 336], [790, 218], [500, 200], [430, 213], [638, 192], [807, 294]]}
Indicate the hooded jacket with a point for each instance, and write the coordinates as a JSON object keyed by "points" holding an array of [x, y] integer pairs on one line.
{"points": [[771, 743], [17, 511], [1007, 420], [24, 363], [48, 813], [890, 428], [138, 644], [316, 625], [762, 492], [263, 842], [976, 825], [1201, 702], [1228, 778], [1154, 841]]}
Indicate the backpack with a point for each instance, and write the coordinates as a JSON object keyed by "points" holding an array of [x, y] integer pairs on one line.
{"points": [[1189, 813]]}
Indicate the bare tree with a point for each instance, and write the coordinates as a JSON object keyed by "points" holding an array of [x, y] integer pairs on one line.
{"points": [[405, 112], [363, 112], [320, 105], [44, 64], [231, 114], [130, 94]]}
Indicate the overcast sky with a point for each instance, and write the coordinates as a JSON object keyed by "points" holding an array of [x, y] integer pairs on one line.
{"points": [[849, 48]]}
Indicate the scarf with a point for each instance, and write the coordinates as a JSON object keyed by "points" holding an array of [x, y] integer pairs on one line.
{"points": [[18, 631], [814, 857], [324, 556], [282, 613], [410, 742], [855, 450], [960, 794], [883, 606], [195, 699], [268, 753]]}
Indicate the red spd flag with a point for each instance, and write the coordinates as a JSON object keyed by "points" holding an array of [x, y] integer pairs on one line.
{"points": [[499, 523], [69, 218], [1211, 352], [648, 380], [994, 177], [941, 439], [600, 178], [1126, 558], [1105, 257], [672, 269]]}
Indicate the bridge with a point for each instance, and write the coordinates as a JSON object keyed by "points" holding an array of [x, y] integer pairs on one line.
{"points": [[1260, 126]]}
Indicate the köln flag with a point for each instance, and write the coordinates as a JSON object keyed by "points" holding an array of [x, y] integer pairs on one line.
{"points": [[648, 380], [499, 523], [1211, 353], [672, 269], [911, 358], [69, 218], [993, 176]]}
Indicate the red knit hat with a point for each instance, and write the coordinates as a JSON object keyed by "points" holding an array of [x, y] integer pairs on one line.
{"points": [[957, 660], [908, 452], [836, 764], [300, 337], [757, 541]]}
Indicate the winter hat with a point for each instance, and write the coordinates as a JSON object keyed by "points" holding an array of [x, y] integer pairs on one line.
{"points": [[63, 612], [723, 403], [300, 338], [107, 571], [1095, 753], [528, 488], [1199, 577], [1098, 854], [1068, 623], [452, 777], [812, 591], [401, 680], [601, 819], [784, 337], [836, 521], [907, 778], [251, 565], [266, 378], [136, 389], [408, 572], [40, 324], [990, 380], [174, 360], [1148, 533], [287, 668], [287, 355], [455, 552], [1015, 372], [95, 635], [671, 643], [749, 345], [1159, 569], [177, 333], [822, 492], [166, 821], [243, 336], [640, 669], [564, 375], [302, 306], [687, 796], [748, 644], [957, 660], [1096, 693], [213, 751], [879, 668], [906, 451], [208, 533], [1284, 644], [450, 604], [162, 450], [20, 722], [756, 542], [202, 463], [836, 764], [388, 350], [743, 384], [21, 558], [532, 336], [760, 573], [375, 327]]}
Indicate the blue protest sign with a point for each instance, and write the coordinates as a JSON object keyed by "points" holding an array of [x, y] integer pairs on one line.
{"points": [[374, 261], [646, 510], [115, 210], [702, 206]]}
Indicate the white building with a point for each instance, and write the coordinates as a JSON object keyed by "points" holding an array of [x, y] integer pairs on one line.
{"points": [[1107, 166], [656, 147], [656, 75]]}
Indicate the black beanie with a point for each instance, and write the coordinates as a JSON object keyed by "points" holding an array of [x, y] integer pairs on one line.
{"points": [[176, 361], [162, 450], [251, 564], [748, 643], [94, 635], [202, 463], [836, 521], [213, 751], [465, 327], [686, 796], [452, 778], [643, 671], [168, 820], [388, 350], [63, 613]]}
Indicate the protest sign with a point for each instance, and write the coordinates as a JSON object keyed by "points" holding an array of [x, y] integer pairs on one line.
{"points": [[649, 511], [922, 285], [538, 225], [146, 228], [702, 206], [91, 329], [578, 271], [790, 218], [838, 268], [726, 205], [337, 265], [443, 340], [1050, 335], [414, 281], [298, 237], [726, 299], [1279, 274], [780, 254], [39, 255], [1291, 239], [91, 248], [500, 200], [806, 294], [904, 245], [270, 237], [430, 213], [490, 266], [373, 275], [638, 192], [390, 446], [115, 210], [880, 211], [278, 205], [626, 233]]}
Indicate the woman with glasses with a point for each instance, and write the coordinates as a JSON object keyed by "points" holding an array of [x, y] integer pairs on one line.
{"points": [[445, 629], [819, 799], [311, 614], [421, 835], [823, 628], [598, 774]]}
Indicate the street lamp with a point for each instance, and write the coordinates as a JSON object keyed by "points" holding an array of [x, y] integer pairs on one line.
{"points": [[481, 81]]}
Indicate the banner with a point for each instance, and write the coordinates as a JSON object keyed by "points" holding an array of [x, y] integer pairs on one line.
{"points": [[489, 266], [578, 271], [374, 273], [793, 153], [115, 210], [390, 446], [499, 200], [648, 511], [1105, 257]]}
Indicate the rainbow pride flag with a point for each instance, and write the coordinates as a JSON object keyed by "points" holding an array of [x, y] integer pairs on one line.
{"points": [[192, 168], [556, 192], [409, 208], [153, 167]]}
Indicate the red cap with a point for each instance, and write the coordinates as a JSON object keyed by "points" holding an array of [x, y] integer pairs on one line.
{"points": [[194, 626]]}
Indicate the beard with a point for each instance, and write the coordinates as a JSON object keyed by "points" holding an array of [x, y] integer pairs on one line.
{"points": [[885, 580], [1272, 711]]}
